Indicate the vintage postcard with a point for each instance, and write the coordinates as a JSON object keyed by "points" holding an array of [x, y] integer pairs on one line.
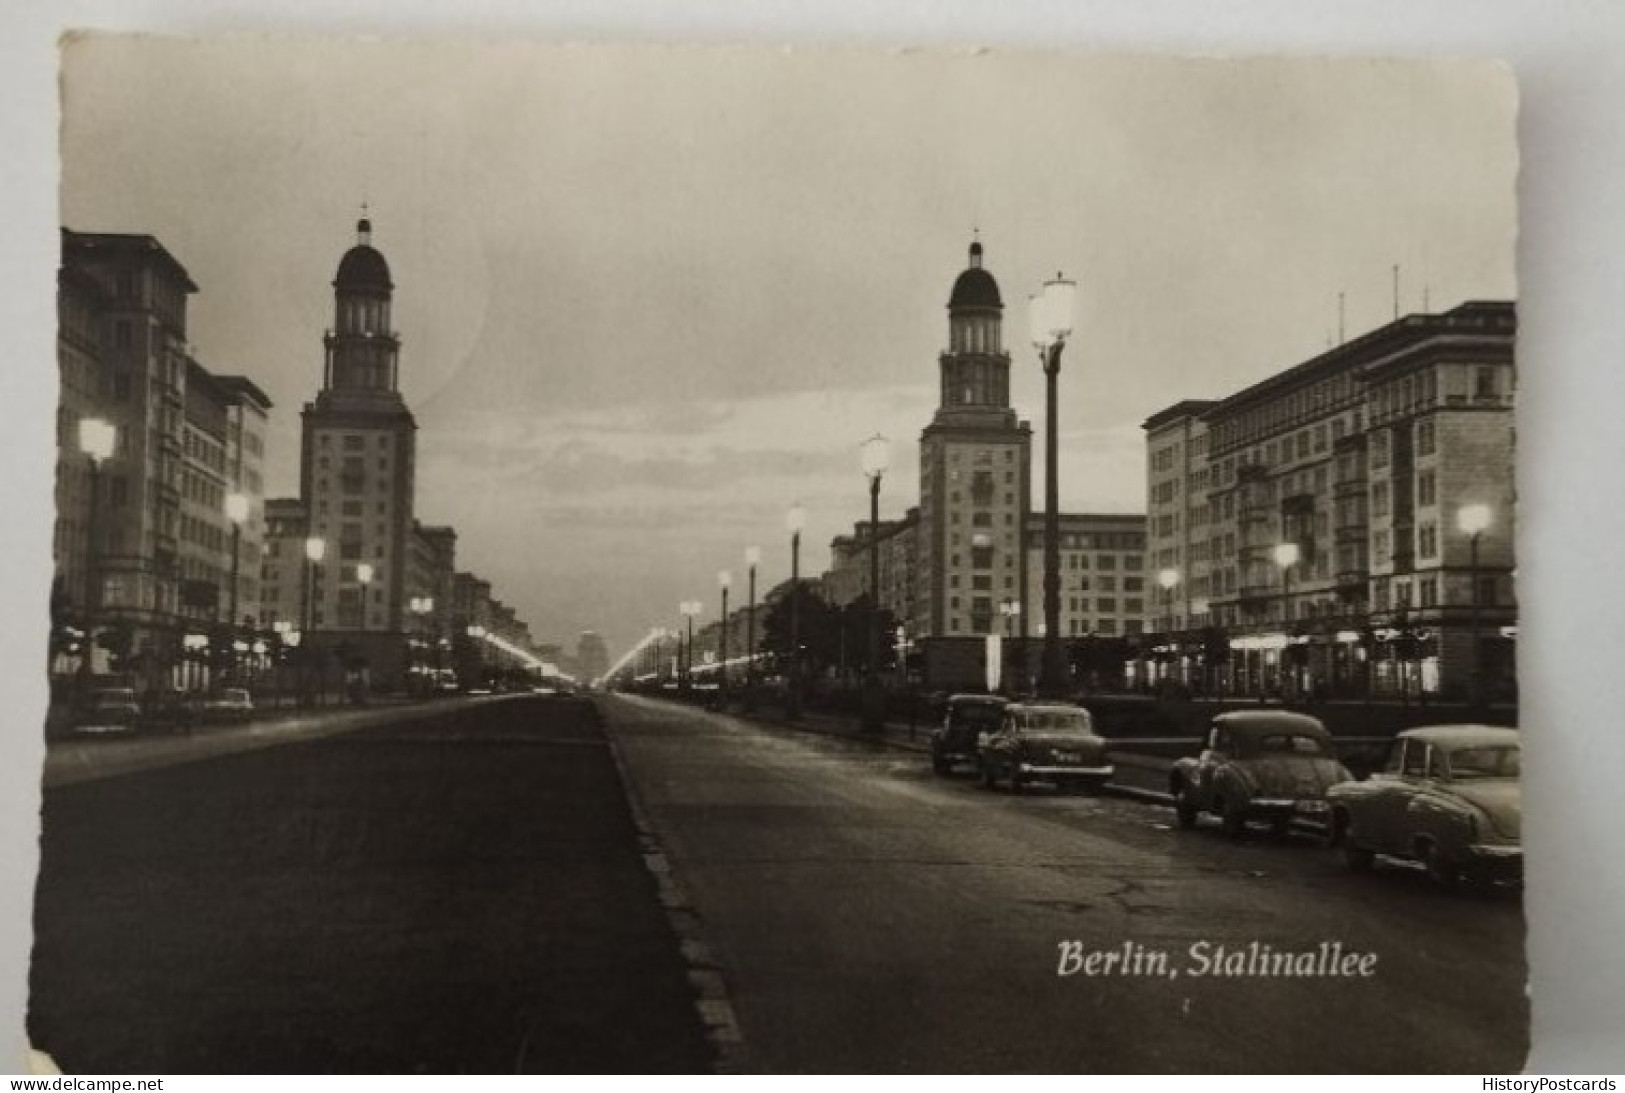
{"points": [[655, 559]]}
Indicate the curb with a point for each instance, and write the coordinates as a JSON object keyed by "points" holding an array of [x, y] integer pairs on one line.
{"points": [[712, 1002]]}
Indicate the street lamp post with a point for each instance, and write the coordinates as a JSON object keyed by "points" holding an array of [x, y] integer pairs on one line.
{"points": [[363, 576], [1011, 610], [794, 520], [1168, 579], [724, 579], [753, 558], [97, 439], [688, 609], [237, 513], [875, 457], [1050, 315], [1286, 556], [1474, 520], [357, 686], [315, 551]]}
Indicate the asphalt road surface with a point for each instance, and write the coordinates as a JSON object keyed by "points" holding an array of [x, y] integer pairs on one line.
{"points": [[443, 889], [871, 917]]}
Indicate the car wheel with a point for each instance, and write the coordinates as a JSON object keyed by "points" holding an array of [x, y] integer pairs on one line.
{"points": [[1441, 870], [941, 767], [1281, 827], [985, 774], [1185, 808], [1017, 782], [1232, 819]]}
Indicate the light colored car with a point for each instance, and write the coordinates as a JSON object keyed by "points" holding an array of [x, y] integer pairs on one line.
{"points": [[1449, 798], [110, 711], [226, 704], [1265, 765], [1044, 742]]}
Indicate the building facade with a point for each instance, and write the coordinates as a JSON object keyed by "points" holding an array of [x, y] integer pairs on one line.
{"points": [[975, 487], [283, 582], [357, 463], [1105, 590], [1316, 519], [147, 547]]}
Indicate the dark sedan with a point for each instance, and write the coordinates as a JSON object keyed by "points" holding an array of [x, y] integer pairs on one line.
{"points": [[1045, 742], [1268, 765], [968, 720]]}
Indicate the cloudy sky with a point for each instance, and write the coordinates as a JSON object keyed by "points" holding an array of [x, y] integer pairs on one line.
{"points": [[649, 296]]}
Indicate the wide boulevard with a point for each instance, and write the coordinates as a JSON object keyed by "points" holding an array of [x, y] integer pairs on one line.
{"points": [[466, 888]]}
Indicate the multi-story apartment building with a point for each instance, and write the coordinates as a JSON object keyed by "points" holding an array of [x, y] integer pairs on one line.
{"points": [[185, 441], [85, 383], [1105, 590], [247, 412], [1320, 519], [1179, 546], [142, 394], [283, 578], [222, 453], [847, 577], [431, 565]]}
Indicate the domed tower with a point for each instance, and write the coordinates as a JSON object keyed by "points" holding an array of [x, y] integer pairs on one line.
{"points": [[362, 348], [975, 368], [357, 474], [974, 487]]}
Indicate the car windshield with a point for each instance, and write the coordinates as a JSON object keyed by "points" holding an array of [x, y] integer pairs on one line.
{"points": [[980, 715], [1486, 761], [1283, 743], [1056, 721]]}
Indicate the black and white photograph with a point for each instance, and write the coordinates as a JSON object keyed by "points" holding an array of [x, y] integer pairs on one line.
{"points": [[732, 559]]}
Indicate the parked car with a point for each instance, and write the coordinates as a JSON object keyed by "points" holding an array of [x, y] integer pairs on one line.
{"points": [[168, 711], [1449, 798], [226, 704], [966, 721], [1267, 765], [111, 711], [1041, 741]]}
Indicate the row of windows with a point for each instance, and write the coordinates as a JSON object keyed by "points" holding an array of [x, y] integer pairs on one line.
{"points": [[352, 442], [1077, 628], [352, 484], [353, 464]]}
